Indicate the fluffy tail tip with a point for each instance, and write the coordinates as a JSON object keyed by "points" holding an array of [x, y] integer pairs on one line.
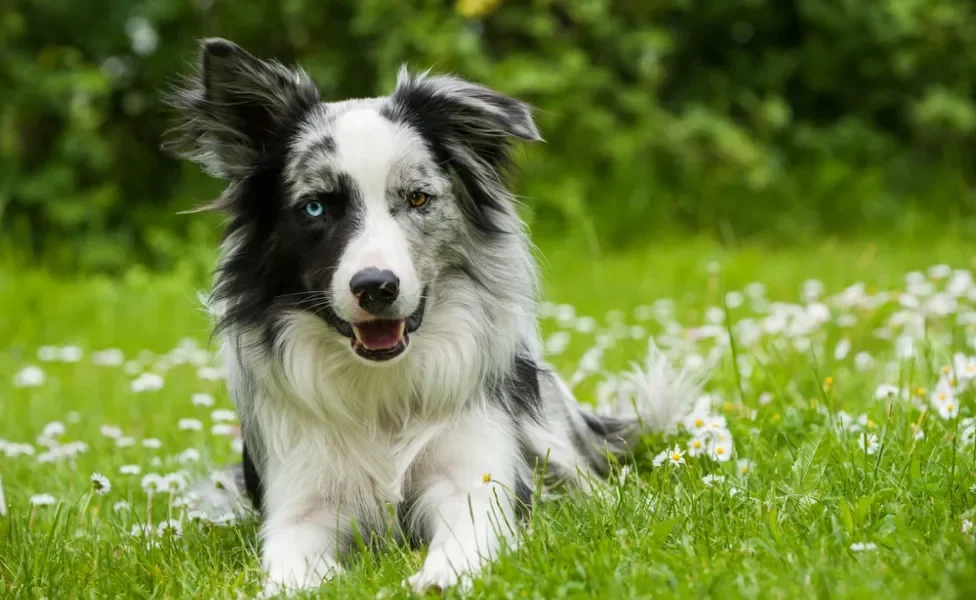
{"points": [[657, 394]]}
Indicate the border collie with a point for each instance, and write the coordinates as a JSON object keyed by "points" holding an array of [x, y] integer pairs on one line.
{"points": [[375, 300]]}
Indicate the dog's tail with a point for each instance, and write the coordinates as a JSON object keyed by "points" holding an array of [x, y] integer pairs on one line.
{"points": [[577, 441]]}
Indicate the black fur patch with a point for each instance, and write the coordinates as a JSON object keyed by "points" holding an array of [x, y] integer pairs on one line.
{"points": [[523, 498], [252, 482], [606, 427], [283, 254], [519, 392]]}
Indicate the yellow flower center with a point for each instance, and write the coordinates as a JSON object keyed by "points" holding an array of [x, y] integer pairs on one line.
{"points": [[676, 457], [486, 478], [696, 444], [699, 422], [720, 450], [943, 396]]}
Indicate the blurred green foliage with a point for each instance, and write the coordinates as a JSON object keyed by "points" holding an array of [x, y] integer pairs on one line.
{"points": [[782, 118]]}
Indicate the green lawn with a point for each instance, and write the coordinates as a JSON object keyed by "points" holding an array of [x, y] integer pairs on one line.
{"points": [[816, 514]]}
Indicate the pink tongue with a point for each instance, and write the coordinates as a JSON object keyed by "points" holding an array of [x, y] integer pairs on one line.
{"points": [[379, 335]]}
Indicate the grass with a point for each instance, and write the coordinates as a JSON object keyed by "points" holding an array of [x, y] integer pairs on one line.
{"points": [[788, 528]]}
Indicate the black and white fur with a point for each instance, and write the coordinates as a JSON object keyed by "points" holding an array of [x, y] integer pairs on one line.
{"points": [[335, 439]]}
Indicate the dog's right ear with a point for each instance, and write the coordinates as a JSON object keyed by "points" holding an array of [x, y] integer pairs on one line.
{"points": [[233, 107]]}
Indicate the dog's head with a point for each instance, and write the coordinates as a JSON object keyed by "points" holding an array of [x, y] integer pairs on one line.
{"points": [[350, 210]]}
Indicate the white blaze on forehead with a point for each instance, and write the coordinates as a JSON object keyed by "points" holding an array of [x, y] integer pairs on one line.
{"points": [[368, 150]]}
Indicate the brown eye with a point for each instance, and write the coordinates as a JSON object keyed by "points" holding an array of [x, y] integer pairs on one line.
{"points": [[418, 199]]}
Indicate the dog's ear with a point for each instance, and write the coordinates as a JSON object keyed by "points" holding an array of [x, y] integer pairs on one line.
{"points": [[465, 115], [234, 106]]}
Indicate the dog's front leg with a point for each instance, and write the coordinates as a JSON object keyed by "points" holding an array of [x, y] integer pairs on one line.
{"points": [[467, 480], [302, 533]]}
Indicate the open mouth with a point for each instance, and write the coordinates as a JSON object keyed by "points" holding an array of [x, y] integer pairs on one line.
{"points": [[383, 339], [380, 339]]}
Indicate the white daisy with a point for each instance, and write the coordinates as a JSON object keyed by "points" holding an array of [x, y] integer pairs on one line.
{"points": [[29, 376], [188, 455], [968, 435], [208, 373], [949, 410], [111, 357], [53, 429], [660, 458], [170, 528], [868, 443], [13, 450], [885, 391], [696, 422], [223, 414], [697, 446], [964, 366], [125, 442], [147, 382], [720, 451], [110, 431], [152, 443], [100, 484], [675, 457], [189, 425], [863, 361], [121, 506], [42, 500], [202, 399], [141, 530], [225, 520], [745, 466], [710, 480], [70, 354], [944, 393], [130, 469], [197, 516], [152, 482], [222, 429], [716, 423], [173, 482]]}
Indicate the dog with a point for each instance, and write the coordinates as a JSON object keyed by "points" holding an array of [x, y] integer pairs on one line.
{"points": [[375, 300]]}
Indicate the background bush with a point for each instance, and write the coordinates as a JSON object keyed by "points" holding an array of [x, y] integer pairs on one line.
{"points": [[771, 118]]}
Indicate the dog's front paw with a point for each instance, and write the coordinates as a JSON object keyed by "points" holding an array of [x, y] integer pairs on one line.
{"points": [[289, 577], [441, 572]]}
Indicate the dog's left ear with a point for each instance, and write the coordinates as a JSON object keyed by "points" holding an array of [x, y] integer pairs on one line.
{"points": [[468, 122], [235, 107]]}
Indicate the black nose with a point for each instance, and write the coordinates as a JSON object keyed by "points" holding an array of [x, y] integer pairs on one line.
{"points": [[376, 289]]}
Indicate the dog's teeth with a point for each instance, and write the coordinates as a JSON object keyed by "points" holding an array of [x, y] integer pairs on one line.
{"points": [[355, 333], [401, 329]]}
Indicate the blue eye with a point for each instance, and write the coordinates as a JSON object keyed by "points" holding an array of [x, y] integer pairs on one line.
{"points": [[314, 209]]}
